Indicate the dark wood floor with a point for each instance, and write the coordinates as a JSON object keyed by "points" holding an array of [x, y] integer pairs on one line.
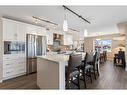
{"points": [[111, 77], [23, 82]]}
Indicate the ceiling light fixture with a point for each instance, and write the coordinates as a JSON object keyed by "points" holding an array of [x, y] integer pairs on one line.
{"points": [[47, 21], [73, 30], [98, 39], [85, 33], [65, 24], [65, 7]]}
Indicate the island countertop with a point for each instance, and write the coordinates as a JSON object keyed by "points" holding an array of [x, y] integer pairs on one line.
{"points": [[56, 57], [51, 71]]}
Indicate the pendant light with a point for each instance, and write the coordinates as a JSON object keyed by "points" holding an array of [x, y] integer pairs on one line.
{"points": [[65, 24], [85, 33]]}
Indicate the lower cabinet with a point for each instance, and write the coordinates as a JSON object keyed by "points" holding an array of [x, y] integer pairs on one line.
{"points": [[13, 67], [8, 72]]}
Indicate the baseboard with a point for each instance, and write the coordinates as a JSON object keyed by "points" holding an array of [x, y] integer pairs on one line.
{"points": [[14, 76]]}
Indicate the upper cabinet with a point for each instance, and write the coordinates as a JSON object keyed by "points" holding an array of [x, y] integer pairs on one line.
{"points": [[16, 31], [49, 35], [68, 39], [36, 30], [21, 33], [9, 30]]}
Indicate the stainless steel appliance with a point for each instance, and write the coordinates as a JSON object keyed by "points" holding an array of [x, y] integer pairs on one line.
{"points": [[36, 46], [14, 47]]}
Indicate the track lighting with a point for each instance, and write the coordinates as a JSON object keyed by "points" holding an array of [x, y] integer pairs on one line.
{"points": [[43, 20], [65, 7]]}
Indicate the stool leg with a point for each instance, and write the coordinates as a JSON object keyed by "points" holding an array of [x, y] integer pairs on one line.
{"points": [[79, 78], [84, 79], [90, 75]]}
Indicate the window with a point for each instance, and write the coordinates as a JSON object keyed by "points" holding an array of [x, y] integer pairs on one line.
{"points": [[103, 45]]}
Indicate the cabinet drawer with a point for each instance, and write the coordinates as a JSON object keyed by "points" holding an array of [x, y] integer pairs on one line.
{"points": [[8, 72], [21, 63], [20, 70], [14, 63], [14, 57], [9, 64]]}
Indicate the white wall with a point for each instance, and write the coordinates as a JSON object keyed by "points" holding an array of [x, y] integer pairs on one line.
{"points": [[123, 28], [110, 29]]}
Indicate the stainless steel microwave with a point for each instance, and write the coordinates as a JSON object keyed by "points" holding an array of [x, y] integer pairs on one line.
{"points": [[11, 47]]}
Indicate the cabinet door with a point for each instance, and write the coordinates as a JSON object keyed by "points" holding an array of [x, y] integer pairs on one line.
{"points": [[68, 39], [30, 29], [8, 72], [9, 30], [49, 36], [21, 33], [65, 39], [38, 31]]}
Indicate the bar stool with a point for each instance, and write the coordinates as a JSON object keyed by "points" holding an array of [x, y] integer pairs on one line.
{"points": [[73, 70]]}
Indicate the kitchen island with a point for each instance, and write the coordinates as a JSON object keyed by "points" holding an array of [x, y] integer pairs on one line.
{"points": [[51, 71]]}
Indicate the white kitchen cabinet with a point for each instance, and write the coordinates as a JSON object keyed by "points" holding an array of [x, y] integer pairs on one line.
{"points": [[49, 36], [65, 40], [35, 30], [21, 33], [68, 39], [13, 66], [8, 72], [14, 31], [9, 30], [40, 31]]}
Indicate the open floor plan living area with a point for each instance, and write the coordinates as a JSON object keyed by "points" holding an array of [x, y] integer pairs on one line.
{"points": [[63, 47]]}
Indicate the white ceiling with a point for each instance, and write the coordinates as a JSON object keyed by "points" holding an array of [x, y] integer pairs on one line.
{"points": [[103, 18]]}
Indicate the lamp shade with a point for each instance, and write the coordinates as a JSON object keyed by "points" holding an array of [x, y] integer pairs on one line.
{"points": [[65, 25], [85, 33]]}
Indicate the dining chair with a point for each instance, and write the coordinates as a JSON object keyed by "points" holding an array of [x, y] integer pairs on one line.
{"points": [[105, 56], [93, 60], [95, 64], [73, 70]]}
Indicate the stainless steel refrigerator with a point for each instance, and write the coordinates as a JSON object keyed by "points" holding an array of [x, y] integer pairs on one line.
{"points": [[36, 46]]}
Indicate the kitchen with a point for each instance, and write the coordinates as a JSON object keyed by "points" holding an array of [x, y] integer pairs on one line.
{"points": [[37, 48], [17, 37], [39, 37]]}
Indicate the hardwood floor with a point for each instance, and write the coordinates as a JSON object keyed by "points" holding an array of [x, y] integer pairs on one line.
{"points": [[111, 77], [23, 82]]}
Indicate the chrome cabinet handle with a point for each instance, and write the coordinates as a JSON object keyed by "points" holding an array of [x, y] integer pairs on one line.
{"points": [[7, 58], [8, 72], [7, 64]]}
